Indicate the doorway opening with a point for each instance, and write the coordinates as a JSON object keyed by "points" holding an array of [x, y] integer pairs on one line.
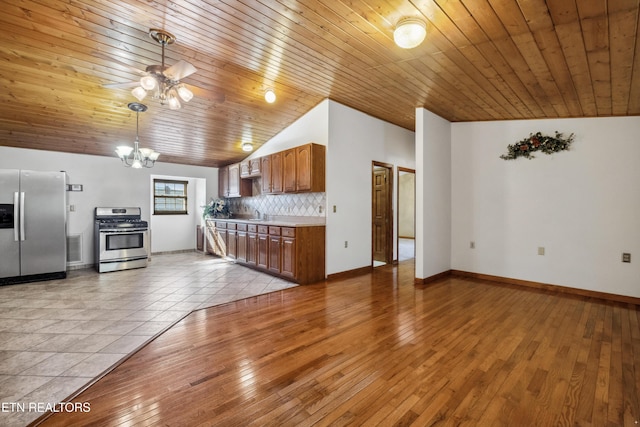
{"points": [[406, 214], [382, 214]]}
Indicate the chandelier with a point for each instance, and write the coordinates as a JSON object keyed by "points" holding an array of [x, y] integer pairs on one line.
{"points": [[164, 82], [137, 157]]}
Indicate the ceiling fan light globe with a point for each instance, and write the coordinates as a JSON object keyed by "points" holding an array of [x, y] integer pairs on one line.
{"points": [[148, 82], [139, 93], [174, 103], [185, 94]]}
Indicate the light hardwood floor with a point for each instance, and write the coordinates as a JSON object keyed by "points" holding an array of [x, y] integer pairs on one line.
{"points": [[379, 350]]}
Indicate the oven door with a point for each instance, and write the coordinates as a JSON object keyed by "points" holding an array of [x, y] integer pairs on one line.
{"points": [[123, 245]]}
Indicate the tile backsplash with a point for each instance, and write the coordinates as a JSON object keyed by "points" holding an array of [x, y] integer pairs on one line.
{"points": [[301, 204]]}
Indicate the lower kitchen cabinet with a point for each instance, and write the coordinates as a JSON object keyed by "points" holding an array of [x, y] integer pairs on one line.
{"points": [[293, 253], [275, 253], [241, 243], [263, 247], [288, 257]]}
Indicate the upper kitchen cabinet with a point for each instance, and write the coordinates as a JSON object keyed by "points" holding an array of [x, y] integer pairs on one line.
{"points": [[230, 184], [272, 173], [296, 170], [289, 170], [310, 168], [251, 168]]}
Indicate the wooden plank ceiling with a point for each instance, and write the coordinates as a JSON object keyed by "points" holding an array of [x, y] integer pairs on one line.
{"points": [[481, 60]]}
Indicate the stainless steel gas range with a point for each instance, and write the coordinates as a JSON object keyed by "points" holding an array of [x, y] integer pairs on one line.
{"points": [[121, 239]]}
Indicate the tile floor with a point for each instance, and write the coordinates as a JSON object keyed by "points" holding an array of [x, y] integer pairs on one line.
{"points": [[56, 336]]}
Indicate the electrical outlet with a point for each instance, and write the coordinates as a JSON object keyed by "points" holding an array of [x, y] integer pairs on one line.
{"points": [[626, 257], [346, 244], [472, 245], [540, 250]]}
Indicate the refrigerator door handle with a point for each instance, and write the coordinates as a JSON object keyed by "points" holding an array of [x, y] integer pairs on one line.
{"points": [[22, 215], [16, 213]]}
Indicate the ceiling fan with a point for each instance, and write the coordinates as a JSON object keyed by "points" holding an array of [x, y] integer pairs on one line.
{"points": [[163, 82]]}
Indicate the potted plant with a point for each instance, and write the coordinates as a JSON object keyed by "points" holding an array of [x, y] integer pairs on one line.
{"points": [[216, 208]]}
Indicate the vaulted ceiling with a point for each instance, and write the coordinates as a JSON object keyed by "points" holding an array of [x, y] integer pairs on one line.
{"points": [[481, 60]]}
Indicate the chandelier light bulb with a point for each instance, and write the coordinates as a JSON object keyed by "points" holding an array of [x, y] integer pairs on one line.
{"points": [[123, 151], [409, 33], [270, 96]]}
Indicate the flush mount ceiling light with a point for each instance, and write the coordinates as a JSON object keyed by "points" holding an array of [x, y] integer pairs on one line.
{"points": [[409, 33], [137, 157], [270, 96], [247, 146]]}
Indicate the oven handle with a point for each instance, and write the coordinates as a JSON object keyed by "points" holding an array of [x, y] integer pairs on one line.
{"points": [[122, 230]]}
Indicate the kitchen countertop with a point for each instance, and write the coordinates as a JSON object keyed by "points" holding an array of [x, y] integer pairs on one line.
{"points": [[281, 221]]}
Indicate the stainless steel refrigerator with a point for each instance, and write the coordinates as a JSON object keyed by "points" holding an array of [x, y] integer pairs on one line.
{"points": [[33, 221]]}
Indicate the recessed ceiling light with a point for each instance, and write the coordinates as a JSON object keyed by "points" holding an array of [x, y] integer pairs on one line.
{"points": [[247, 146]]}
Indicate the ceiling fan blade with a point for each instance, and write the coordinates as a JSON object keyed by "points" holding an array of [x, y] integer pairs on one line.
{"points": [[125, 85], [113, 60], [208, 94], [180, 70]]}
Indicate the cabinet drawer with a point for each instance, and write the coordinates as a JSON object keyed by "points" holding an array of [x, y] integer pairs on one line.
{"points": [[263, 229], [241, 227], [231, 226], [252, 228], [288, 232], [220, 224], [274, 231]]}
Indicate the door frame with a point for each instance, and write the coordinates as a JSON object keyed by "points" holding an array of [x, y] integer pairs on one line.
{"points": [[389, 239], [401, 169]]}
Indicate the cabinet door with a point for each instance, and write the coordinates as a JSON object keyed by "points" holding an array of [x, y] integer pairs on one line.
{"points": [[234, 180], [310, 168], [232, 244], [275, 243], [288, 257], [266, 174], [245, 169], [263, 251], [289, 171], [252, 249], [276, 173], [241, 246], [223, 182], [255, 167]]}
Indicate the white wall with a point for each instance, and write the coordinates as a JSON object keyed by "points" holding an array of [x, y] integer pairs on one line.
{"points": [[177, 232], [433, 194], [311, 127], [582, 205], [355, 141], [106, 183]]}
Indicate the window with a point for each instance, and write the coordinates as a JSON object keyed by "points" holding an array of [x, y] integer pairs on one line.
{"points": [[169, 197]]}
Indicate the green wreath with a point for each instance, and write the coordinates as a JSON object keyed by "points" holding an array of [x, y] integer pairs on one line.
{"points": [[537, 142]]}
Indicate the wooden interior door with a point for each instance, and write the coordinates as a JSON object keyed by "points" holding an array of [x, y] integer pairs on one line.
{"points": [[382, 241]]}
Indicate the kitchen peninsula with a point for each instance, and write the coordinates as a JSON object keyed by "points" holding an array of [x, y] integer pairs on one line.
{"points": [[291, 248]]}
